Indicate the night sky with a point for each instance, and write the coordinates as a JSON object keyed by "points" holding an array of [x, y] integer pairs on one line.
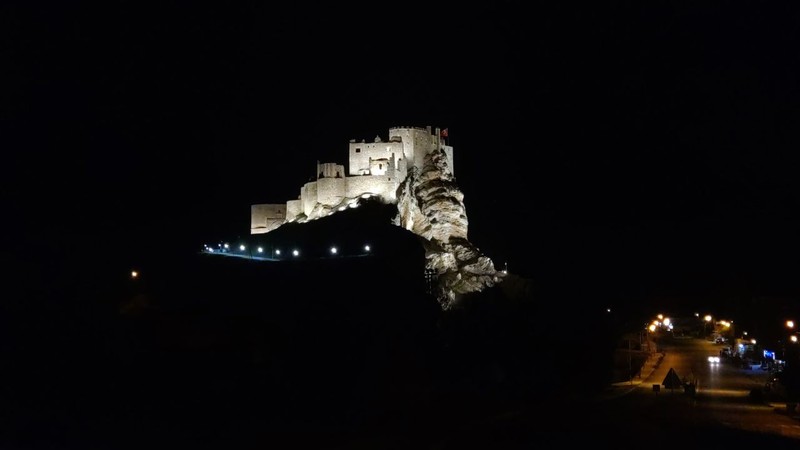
{"points": [[636, 149]]}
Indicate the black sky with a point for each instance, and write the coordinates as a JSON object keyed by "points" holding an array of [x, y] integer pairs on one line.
{"points": [[627, 140]]}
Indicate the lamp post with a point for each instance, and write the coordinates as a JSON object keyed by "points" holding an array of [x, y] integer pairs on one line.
{"points": [[707, 320], [792, 337]]}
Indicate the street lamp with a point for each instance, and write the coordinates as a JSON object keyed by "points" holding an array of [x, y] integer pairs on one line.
{"points": [[707, 319]]}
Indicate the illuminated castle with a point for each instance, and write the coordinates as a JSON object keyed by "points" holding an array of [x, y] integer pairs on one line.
{"points": [[374, 169]]}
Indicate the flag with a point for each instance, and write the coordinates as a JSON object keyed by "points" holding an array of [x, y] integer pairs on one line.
{"points": [[444, 133]]}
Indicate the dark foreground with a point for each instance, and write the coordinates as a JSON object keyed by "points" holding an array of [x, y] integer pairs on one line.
{"points": [[225, 353]]}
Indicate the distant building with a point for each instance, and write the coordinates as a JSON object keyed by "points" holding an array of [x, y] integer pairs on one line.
{"points": [[374, 169]]}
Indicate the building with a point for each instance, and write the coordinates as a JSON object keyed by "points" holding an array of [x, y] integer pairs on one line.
{"points": [[374, 169]]}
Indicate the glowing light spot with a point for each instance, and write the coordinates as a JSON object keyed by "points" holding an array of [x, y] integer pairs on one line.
{"points": [[134, 274], [260, 249], [296, 253]]}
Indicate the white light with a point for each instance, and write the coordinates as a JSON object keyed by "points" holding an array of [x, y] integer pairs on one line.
{"points": [[295, 252], [342, 208], [260, 249], [793, 338], [607, 309], [277, 252], [226, 246], [211, 250], [134, 274], [241, 247], [366, 248], [333, 250]]}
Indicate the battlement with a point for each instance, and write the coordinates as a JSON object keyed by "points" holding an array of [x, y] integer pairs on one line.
{"points": [[428, 128]]}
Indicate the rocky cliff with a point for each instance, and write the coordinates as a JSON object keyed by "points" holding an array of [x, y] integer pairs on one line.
{"points": [[430, 204]]}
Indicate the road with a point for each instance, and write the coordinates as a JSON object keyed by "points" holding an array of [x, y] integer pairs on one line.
{"points": [[720, 414], [723, 395]]}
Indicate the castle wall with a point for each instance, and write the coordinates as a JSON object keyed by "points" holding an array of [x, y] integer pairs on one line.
{"points": [[293, 209], [331, 170], [361, 152], [266, 217], [384, 186], [331, 191], [309, 197], [409, 137], [418, 142], [380, 166], [423, 144]]}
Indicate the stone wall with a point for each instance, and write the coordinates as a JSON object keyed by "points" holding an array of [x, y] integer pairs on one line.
{"points": [[361, 152], [293, 209], [309, 197], [266, 217], [381, 185], [331, 191], [331, 170]]}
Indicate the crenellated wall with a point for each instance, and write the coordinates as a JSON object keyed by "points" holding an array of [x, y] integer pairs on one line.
{"points": [[330, 170]]}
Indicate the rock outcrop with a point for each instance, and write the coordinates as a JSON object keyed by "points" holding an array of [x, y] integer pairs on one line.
{"points": [[430, 204]]}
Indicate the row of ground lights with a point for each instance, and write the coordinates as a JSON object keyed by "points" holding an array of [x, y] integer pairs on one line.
{"points": [[226, 247]]}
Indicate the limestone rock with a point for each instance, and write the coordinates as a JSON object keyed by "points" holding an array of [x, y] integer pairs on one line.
{"points": [[430, 204]]}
